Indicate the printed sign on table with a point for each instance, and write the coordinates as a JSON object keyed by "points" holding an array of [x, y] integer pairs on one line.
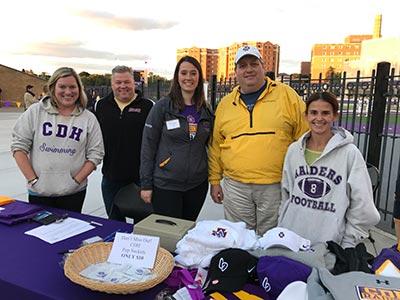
{"points": [[134, 249]]}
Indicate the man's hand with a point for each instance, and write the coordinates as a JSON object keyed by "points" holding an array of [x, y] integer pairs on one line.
{"points": [[216, 193]]}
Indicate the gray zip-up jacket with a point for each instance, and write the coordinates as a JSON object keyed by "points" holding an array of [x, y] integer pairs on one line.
{"points": [[169, 159]]}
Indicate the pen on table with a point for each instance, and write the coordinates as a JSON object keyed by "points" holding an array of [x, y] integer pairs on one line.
{"points": [[66, 251], [94, 223], [62, 218], [111, 236]]}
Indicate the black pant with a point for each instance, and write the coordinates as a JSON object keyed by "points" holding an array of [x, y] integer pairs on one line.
{"points": [[396, 208], [72, 202], [183, 205]]}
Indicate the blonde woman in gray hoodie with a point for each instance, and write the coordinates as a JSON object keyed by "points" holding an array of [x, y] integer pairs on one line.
{"points": [[57, 143]]}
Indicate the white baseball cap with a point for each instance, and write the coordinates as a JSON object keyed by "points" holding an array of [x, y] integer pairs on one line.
{"points": [[295, 290], [247, 50], [282, 237]]}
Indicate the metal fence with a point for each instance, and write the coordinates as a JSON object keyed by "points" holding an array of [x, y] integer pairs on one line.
{"points": [[153, 91], [369, 109]]}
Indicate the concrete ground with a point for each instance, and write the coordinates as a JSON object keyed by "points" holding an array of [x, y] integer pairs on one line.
{"points": [[12, 184]]}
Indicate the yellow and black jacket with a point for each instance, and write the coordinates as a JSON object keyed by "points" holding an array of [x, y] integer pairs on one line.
{"points": [[250, 146]]}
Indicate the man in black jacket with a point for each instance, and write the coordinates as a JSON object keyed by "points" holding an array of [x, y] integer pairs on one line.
{"points": [[121, 115]]}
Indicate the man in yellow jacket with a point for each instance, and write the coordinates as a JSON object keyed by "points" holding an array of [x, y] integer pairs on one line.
{"points": [[254, 126]]}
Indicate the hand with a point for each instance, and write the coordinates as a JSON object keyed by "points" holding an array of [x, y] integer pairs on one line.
{"points": [[146, 195], [216, 193]]}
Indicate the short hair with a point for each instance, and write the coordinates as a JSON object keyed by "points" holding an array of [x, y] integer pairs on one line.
{"points": [[61, 73], [324, 96], [122, 69]]}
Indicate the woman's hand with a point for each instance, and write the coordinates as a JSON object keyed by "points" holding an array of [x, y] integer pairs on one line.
{"points": [[146, 195]]}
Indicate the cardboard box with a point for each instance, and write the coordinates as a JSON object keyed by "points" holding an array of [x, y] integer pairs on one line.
{"points": [[170, 230]]}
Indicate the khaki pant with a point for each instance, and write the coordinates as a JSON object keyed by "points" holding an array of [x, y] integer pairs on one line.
{"points": [[255, 204]]}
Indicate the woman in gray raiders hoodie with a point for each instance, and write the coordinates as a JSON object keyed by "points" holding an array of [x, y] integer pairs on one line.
{"points": [[326, 188]]}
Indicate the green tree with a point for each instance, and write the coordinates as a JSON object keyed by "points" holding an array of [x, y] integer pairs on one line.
{"points": [[331, 74], [44, 76], [84, 74], [153, 78]]}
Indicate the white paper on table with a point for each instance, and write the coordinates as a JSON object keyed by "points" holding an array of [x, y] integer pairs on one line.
{"points": [[134, 249], [56, 232]]}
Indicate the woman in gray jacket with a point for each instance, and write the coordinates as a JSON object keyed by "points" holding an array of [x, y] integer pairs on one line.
{"points": [[174, 168]]}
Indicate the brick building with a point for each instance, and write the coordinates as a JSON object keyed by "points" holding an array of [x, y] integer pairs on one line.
{"points": [[13, 83], [335, 57], [220, 61]]}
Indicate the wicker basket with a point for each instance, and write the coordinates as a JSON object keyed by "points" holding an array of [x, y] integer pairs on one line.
{"points": [[99, 252]]}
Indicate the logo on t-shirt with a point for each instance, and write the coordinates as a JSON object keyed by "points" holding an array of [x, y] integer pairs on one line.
{"points": [[369, 293]]}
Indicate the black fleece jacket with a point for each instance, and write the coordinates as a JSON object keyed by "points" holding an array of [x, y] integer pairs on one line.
{"points": [[122, 134]]}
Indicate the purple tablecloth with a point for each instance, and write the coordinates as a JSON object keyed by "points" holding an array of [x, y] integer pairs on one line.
{"points": [[30, 268]]}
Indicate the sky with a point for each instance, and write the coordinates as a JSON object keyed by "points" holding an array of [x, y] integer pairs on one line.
{"points": [[95, 36]]}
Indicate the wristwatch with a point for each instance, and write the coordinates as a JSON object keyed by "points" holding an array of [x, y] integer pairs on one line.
{"points": [[32, 182]]}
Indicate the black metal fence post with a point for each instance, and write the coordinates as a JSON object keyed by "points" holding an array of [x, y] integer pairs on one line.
{"points": [[378, 113], [213, 87], [158, 89]]}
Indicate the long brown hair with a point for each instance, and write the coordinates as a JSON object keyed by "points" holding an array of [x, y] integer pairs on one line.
{"points": [[176, 93]]}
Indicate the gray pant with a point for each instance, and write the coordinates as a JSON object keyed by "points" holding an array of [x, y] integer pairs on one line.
{"points": [[255, 204]]}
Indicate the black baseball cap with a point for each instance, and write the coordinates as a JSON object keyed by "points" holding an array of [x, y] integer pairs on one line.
{"points": [[230, 270]]}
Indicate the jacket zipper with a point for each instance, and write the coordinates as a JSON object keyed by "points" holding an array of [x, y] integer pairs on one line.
{"points": [[253, 133]]}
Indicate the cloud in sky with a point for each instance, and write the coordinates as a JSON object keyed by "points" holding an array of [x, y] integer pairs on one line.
{"points": [[96, 35], [75, 49], [128, 23]]}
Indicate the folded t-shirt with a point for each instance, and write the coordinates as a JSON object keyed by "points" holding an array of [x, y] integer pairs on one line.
{"points": [[17, 212], [5, 200]]}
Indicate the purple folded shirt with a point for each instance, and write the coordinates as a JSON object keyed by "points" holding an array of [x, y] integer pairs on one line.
{"points": [[386, 254], [17, 212]]}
